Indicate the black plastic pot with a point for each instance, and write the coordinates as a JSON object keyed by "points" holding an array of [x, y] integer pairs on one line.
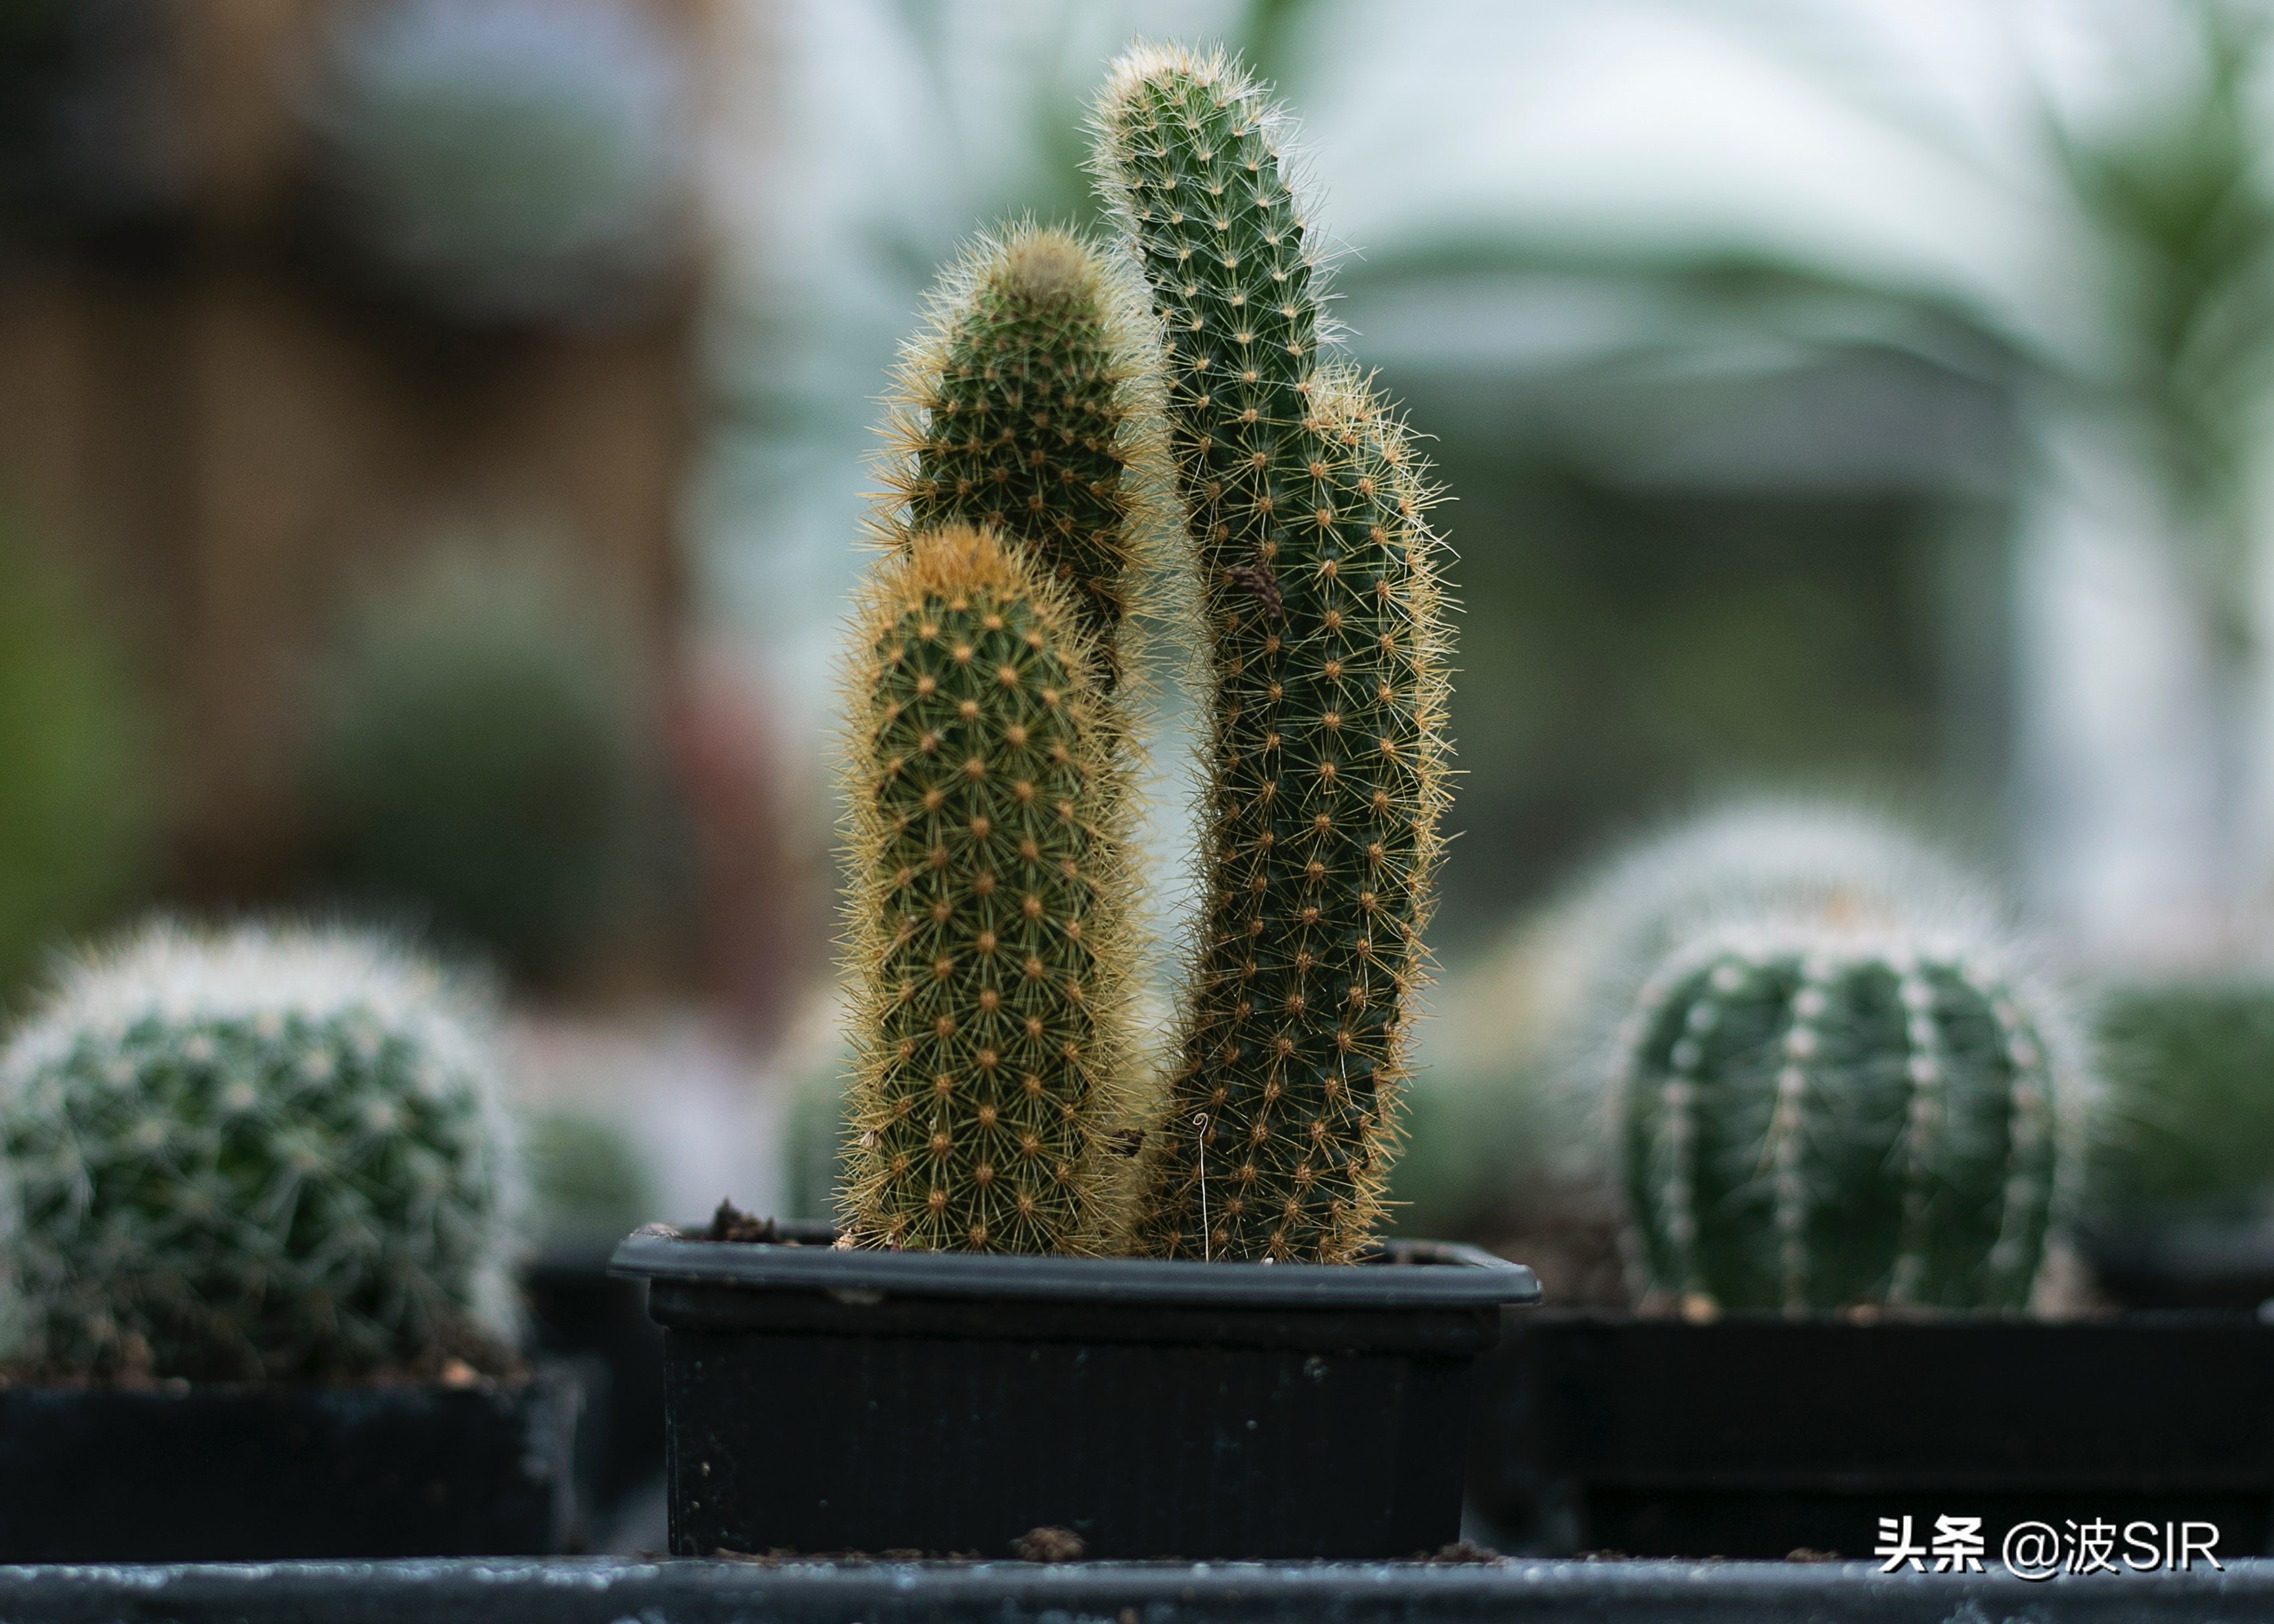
{"points": [[580, 1311], [2204, 1264], [818, 1399], [1753, 1438], [265, 1473]]}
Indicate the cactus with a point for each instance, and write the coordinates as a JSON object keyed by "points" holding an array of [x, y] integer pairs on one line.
{"points": [[1326, 654], [1028, 406], [586, 1179], [253, 1154], [2188, 1133], [989, 949], [479, 764], [519, 161], [1814, 1118]]}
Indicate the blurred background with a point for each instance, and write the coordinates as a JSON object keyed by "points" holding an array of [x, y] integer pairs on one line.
{"points": [[432, 442]]}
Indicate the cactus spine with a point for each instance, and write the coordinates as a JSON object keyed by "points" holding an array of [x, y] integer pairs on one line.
{"points": [[1028, 406], [1813, 1120], [254, 1154], [1326, 649], [990, 950]]}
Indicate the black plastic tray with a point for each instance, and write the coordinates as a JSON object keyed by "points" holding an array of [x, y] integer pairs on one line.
{"points": [[1753, 1437], [819, 1400], [259, 1473]]}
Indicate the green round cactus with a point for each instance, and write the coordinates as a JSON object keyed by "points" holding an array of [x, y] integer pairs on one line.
{"points": [[1809, 1119], [252, 1154]]}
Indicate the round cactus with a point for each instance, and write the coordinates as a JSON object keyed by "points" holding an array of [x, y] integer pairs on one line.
{"points": [[1809, 1119], [514, 160], [253, 1154]]}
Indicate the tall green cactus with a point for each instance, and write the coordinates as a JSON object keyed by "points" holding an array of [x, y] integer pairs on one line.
{"points": [[1809, 1119], [1029, 406], [254, 1153], [989, 951], [1327, 657]]}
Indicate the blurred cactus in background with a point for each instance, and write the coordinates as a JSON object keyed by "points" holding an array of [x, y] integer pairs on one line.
{"points": [[2188, 1132], [89, 142], [989, 949], [1561, 988], [1815, 1117], [522, 160], [820, 1126], [1325, 657], [586, 1179], [254, 1153], [1508, 1138], [478, 766], [78, 798]]}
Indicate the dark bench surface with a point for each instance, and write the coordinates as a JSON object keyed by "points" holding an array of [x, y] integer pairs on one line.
{"points": [[602, 1590]]}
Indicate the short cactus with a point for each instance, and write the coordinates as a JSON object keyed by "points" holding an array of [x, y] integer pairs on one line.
{"points": [[1028, 406], [990, 953], [1809, 1119], [254, 1154], [1326, 665]]}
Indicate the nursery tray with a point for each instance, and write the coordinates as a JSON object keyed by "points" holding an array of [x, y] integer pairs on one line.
{"points": [[263, 1473], [1755, 1437], [820, 1400]]}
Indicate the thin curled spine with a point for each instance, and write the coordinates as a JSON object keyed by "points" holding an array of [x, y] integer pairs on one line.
{"points": [[1814, 1120], [255, 1154], [988, 949], [1327, 646]]}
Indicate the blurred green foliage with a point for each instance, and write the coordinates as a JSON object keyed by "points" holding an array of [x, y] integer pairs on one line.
{"points": [[480, 768], [2189, 1129], [78, 795], [1473, 1144], [2178, 196]]}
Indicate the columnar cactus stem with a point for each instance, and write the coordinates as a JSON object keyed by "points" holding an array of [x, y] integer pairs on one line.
{"points": [[1326, 649], [1029, 406], [990, 955], [1816, 1120]]}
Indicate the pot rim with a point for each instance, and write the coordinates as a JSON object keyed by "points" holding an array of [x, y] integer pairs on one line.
{"points": [[1405, 1275]]}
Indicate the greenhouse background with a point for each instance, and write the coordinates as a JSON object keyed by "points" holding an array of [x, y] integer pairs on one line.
{"points": [[434, 441]]}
